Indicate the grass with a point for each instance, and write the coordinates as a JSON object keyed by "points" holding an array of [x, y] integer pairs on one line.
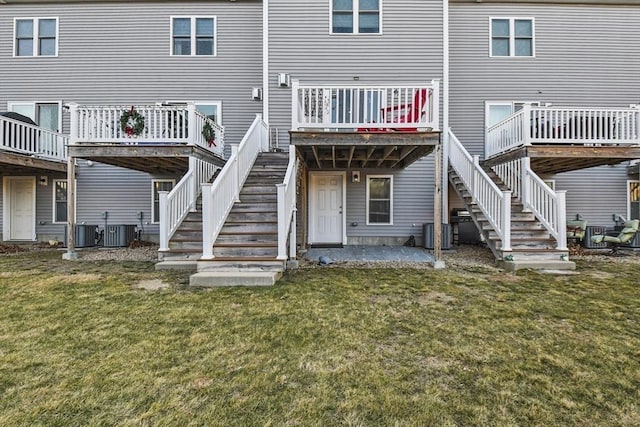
{"points": [[330, 346]]}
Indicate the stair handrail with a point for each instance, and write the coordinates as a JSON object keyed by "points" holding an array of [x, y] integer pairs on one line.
{"points": [[176, 204], [218, 198], [494, 203], [25, 138], [287, 208], [548, 205]]}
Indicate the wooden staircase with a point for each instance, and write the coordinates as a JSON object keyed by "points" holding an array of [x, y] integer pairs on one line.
{"points": [[245, 252], [531, 243]]}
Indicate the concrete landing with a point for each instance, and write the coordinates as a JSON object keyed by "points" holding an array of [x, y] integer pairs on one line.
{"points": [[177, 265], [540, 264], [371, 254], [218, 279]]}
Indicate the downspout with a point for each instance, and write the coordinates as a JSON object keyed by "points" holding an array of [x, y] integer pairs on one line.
{"points": [[265, 61]]}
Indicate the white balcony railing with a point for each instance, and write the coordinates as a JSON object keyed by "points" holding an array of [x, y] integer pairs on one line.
{"points": [[366, 108], [24, 138], [494, 203], [218, 198], [556, 125], [163, 124], [176, 204], [547, 205], [287, 208]]}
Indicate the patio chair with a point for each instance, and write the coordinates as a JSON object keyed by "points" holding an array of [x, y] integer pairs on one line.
{"points": [[614, 242], [576, 230], [403, 113]]}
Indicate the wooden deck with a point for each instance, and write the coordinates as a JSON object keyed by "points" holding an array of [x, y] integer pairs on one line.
{"points": [[346, 150], [551, 159], [154, 159]]}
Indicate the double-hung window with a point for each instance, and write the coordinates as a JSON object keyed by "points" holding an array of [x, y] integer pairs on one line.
{"points": [[193, 36], [355, 17], [380, 199], [512, 37], [158, 185], [35, 37], [59, 200]]}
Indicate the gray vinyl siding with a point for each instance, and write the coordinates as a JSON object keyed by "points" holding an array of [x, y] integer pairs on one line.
{"points": [[119, 53], [409, 50], [586, 55]]}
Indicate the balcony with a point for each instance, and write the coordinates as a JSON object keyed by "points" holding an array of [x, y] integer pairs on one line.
{"points": [[561, 139], [24, 147], [157, 139], [365, 126]]}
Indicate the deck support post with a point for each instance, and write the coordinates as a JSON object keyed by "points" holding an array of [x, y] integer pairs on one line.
{"points": [[71, 210], [437, 209]]}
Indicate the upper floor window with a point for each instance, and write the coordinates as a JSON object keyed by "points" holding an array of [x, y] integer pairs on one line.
{"points": [[355, 16], [36, 37], [512, 37], [193, 36]]}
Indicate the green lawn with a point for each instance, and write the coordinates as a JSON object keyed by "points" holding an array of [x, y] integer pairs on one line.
{"points": [[326, 346]]}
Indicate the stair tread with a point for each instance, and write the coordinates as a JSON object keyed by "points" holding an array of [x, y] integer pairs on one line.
{"points": [[246, 244], [243, 258]]}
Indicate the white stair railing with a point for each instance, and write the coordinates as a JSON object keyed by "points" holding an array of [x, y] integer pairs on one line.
{"points": [[218, 198], [494, 203], [287, 208], [24, 138], [547, 205], [176, 204]]}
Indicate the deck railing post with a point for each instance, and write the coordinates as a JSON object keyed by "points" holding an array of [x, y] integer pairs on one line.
{"points": [[293, 237], [207, 219], [193, 184], [561, 220], [192, 137], [474, 178], [436, 104], [235, 171], [73, 123], [506, 221], [295, 105], [527, 124], [164, 220], [525, 187], [282, 238]]}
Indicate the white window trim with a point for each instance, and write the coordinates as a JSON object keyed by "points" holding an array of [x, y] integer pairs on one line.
{"points": [[53, 200], [193, 34], [369, 177], [218, 105], [356, 26], [512, 38], [36, 38], [629, 181], [153, 181], [33, 104]]}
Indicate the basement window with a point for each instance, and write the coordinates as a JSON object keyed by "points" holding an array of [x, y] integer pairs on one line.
{"points": [[158, 185], [379, 199], [59, 200]]}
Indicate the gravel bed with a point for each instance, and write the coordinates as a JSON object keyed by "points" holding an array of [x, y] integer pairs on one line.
{"points": [[145, 253]]}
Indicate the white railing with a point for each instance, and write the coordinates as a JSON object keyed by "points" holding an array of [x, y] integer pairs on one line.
{"points": [[175, 205], [218, 198], [32, 140], [287, 208], [365, 108], [494, 203], [564, 125], [163, 124], [536, 196]]}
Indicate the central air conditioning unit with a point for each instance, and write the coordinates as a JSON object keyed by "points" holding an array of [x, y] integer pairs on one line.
{"points": [[117, 236], [594, 230], [85, 236], [428, 236]]}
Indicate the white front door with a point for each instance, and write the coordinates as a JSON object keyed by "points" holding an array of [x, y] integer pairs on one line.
{"points": [[326, 208], [20, 208]]}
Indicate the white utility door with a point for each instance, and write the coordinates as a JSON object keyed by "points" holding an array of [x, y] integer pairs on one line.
{"points": [[326, 221], [20, 208]]}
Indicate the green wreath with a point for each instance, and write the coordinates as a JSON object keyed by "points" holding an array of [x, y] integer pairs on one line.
{"points": [[132, 122], [209, 134]]}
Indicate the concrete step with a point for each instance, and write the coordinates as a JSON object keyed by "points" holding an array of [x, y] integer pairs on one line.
{"points": [[215, 279], [190, 265], [241, 264], [536, 265]]}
